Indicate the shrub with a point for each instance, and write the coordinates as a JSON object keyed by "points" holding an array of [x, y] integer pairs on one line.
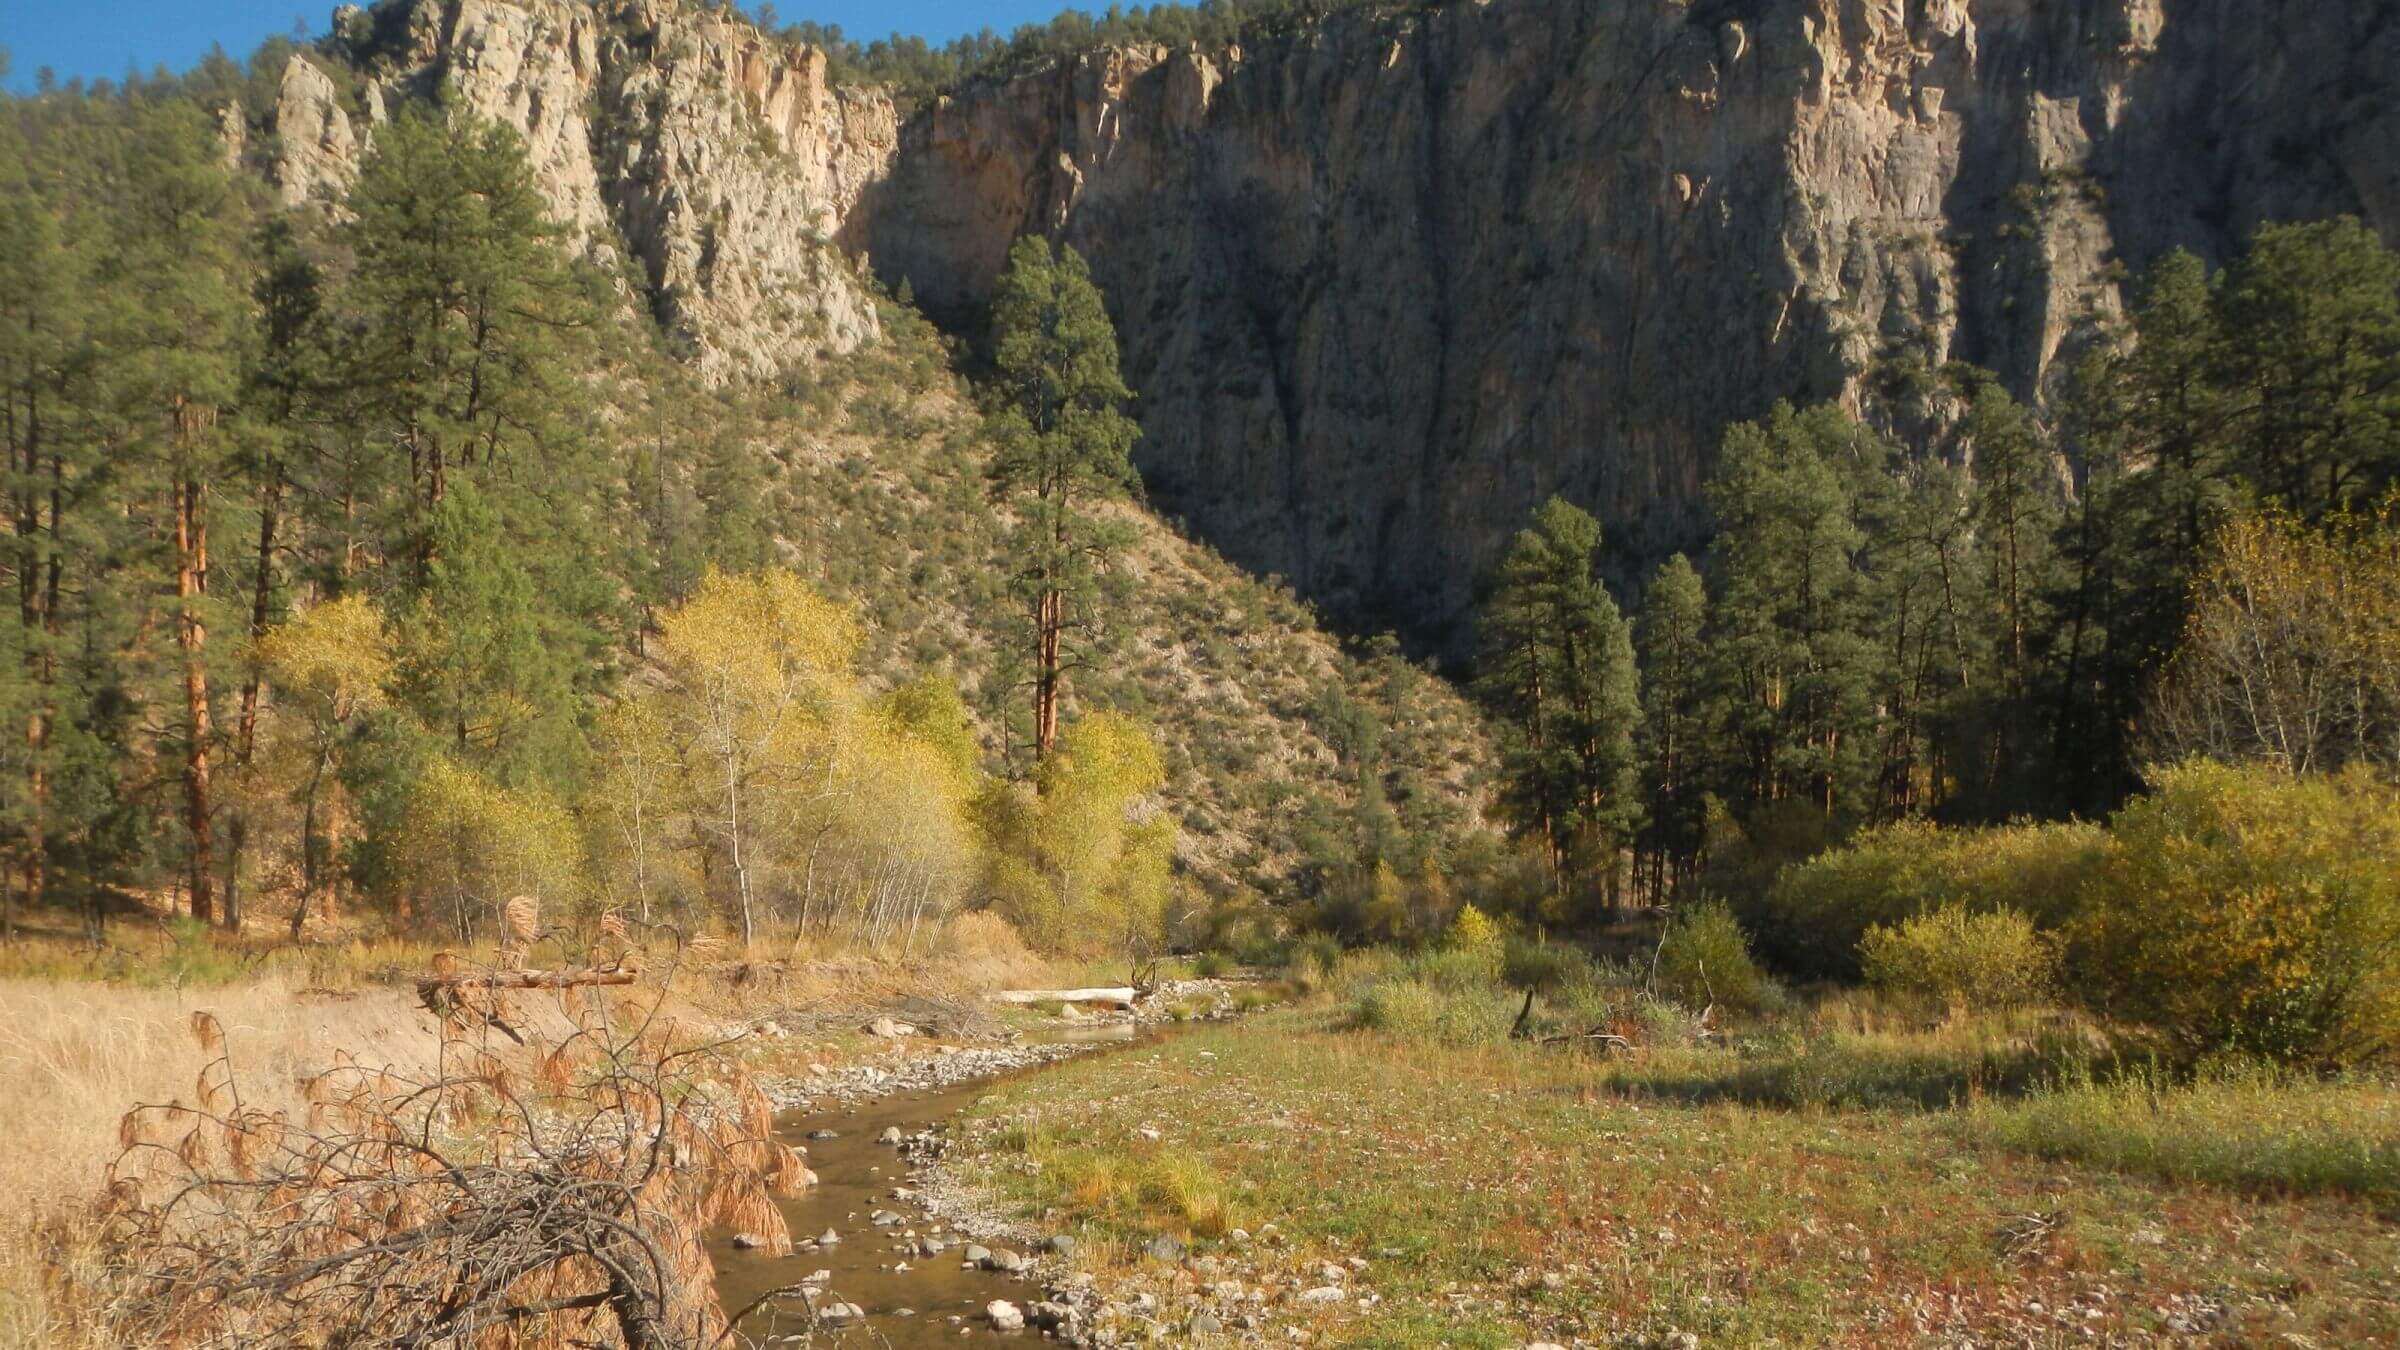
{"points": [[1472, 930], [1419, 1009], [1458, 969], [1967, 960], [1704, 961], [2246, 909], [1546, 966], [1313, 958], [1815, 915]]}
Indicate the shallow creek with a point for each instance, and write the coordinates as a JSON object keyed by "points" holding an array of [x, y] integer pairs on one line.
{"points": [[908, 1299]]}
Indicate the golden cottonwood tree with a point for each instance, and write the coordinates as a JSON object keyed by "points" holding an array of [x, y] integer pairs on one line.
{"points": [[1083, 863], [758, 696], [477, 843], [328, 666], [2291, 655]]}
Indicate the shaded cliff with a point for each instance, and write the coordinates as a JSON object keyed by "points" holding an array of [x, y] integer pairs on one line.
{"points": [[1384, 287]]}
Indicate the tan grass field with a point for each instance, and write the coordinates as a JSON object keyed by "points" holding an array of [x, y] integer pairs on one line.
{"points": [[85, 1036]]}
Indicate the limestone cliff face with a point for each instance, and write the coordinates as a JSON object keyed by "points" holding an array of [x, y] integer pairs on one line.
{"points": [[720, 159], [1385, 287]]}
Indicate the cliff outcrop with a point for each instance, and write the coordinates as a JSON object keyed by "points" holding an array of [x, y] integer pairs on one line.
{"points": [[711, 161], [1386, 284]]}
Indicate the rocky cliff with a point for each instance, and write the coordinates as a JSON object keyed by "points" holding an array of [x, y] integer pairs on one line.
{"points": [[1385, 285], [712, 161]]}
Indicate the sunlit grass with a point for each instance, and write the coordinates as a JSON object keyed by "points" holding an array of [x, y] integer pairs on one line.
{"points": [[2242, 1127], [1465, 1174]]}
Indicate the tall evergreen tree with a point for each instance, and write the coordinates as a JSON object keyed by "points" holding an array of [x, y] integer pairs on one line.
{"points": [[178, 326], [1062, 445], [1558, 670], [1794, 653], [467, 324], [1670, 637]]}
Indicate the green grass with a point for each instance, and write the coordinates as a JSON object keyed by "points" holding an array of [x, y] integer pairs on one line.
{"points": [[2244, 1127], [1502, 1193]]}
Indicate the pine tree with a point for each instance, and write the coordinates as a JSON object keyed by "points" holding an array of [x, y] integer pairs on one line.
{"points": [[1794, 652], [178, 326], [1677, 725], [1062, 446], [2310, 364], [468, 322], [1557, 669]]}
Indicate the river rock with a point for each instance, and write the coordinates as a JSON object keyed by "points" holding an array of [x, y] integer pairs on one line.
{"points": [[1061, 1244], [890, 1135], [1322, 1294], [1006, 1316]]}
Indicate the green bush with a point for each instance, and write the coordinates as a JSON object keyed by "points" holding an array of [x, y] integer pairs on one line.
{"points": [[2246, 909], [1813, 918], [1546, 967], [1966, 959], [1704, 961], [1458, 969], [1419, 1009]]}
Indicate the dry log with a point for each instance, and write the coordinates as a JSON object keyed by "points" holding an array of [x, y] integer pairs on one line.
{"points": [[1120, 997], [525, 979]]}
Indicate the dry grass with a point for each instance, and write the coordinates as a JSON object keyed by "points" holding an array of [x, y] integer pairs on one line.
{"points": [[87, 1032], [77, 1055]]}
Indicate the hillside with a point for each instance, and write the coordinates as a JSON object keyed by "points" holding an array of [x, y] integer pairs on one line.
{"points": [[874, 488]]}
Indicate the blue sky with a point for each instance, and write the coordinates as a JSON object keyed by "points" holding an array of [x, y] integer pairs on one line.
{"points": [[99, 38]]}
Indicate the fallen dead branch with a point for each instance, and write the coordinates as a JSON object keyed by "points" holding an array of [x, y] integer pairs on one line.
{"points": [[528, 979], [547, 1200]]}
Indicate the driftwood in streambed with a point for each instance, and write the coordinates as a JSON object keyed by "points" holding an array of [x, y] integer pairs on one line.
{"points": [[1120, 997]]}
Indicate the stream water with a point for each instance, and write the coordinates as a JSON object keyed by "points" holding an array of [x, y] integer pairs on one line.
{"points": [[907, 1299]]}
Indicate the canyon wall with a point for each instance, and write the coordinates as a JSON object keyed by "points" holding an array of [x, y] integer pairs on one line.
{"points": [[712, 162], [1384, 285]]}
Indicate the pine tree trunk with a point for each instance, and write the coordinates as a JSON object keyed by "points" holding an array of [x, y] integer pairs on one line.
{"points": [[1050, 621], [245, 738], [191, 582]]}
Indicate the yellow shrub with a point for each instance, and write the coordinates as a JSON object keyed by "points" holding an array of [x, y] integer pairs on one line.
{"points": [[1817, 912], [1704, 961], [1472, 930], [1968, 960], [2249, 910]]}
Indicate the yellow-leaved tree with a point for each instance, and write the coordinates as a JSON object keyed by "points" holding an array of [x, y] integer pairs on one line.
{"points": [[758, 698], [477, 844], [754, 773], [1086, 860], [329, 665]]}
